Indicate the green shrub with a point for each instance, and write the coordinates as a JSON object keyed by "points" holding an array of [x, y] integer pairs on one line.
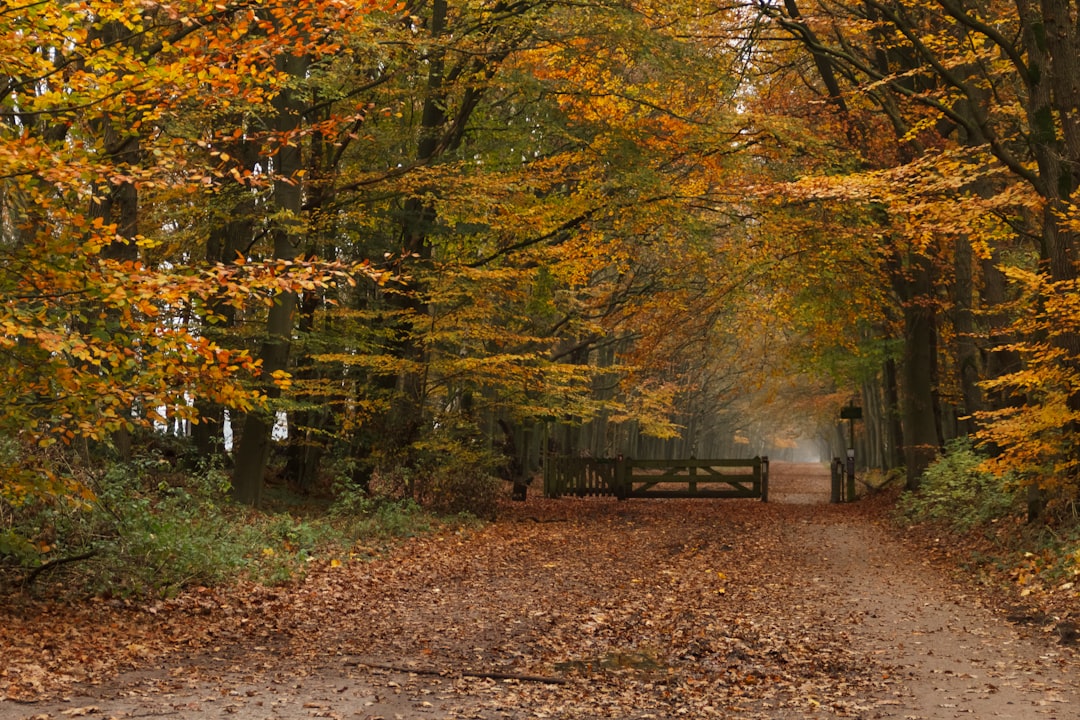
{"points": [[447, 473], [151, 532], [957, 492], [16, 547], [361, 517]]}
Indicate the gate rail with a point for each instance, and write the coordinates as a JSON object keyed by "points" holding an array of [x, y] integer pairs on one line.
{"points": [[625, 478]]}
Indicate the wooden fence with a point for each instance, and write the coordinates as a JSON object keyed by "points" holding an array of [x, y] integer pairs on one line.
{"points": [[626, 478]]}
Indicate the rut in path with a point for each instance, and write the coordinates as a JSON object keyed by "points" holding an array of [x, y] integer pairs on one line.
{"points": [[636, 609]]}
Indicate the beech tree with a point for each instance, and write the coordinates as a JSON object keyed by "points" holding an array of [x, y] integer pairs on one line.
{"points": [[968, 99], [527, 225], [98, 324]]}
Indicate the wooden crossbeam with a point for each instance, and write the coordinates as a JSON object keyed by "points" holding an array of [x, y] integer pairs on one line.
{"points": [[642, 478]]}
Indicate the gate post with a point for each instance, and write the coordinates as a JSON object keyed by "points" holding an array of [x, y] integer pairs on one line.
{"points": [[621, 489], [764, 478], [851, 496], [837, 480], [546, 458]]}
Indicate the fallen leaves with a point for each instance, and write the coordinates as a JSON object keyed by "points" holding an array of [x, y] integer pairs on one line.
{"points": [[627, 600], [601, 608]]}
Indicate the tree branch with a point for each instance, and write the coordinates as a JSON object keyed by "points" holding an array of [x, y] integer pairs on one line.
{"points": [[547, 679]]}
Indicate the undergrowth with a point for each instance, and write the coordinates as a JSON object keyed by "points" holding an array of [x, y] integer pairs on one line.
{"points": [[984, 517], [959, 494], [149, 531]]}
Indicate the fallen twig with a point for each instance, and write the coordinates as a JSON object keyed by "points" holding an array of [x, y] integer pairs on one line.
{"points": [[548, 679], [33, 575]]}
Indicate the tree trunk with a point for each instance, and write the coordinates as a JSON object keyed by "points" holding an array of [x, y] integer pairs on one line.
{"points": [[1051, 38], [920, 418], [996, 361], [965, 349], [310, 425], [875, 421], [406, 412], [253, 452], [119, 203], [225, 241]]}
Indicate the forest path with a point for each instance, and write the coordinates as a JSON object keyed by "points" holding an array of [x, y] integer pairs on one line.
{"points": [[592, 608]]}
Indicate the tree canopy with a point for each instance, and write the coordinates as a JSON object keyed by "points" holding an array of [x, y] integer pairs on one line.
{"points": [[403, 242]]}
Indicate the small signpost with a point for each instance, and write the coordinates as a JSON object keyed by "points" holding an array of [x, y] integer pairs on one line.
{"points": [[851, 413]]}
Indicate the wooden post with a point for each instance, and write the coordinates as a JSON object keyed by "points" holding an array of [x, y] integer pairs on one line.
{"points": [[621, 489], [837, 481], [851, 497], [764, 470], [545, 462]]}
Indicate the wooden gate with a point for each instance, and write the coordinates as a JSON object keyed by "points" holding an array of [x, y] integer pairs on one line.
{"points": [[626, 478], [579, 476]]}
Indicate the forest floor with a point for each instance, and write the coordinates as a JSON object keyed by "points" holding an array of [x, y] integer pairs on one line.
{"points": [[570, 608]]}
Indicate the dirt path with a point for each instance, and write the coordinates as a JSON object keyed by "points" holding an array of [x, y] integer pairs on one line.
{"points": [[595, 608]]}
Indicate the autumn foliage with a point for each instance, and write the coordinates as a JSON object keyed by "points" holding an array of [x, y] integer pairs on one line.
{"points": [[408, 248], [1036, 428]]}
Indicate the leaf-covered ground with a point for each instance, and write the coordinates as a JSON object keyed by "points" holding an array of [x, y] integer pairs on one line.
{"points": [[574, 608]]}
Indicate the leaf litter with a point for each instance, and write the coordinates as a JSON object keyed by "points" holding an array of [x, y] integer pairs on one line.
{"points": [[570, 608]]}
